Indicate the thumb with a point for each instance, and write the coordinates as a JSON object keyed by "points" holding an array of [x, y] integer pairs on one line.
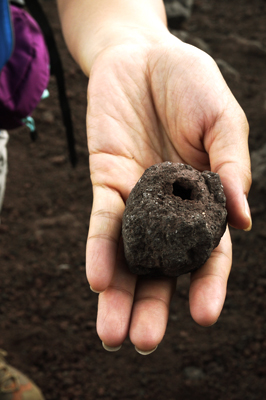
{"points": [[229, 157]]}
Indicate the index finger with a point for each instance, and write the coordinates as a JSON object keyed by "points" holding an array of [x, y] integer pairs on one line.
{"points": [[103, 237]]}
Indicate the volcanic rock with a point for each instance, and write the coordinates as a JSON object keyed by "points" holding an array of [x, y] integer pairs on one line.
{"points": [[174, 217]]}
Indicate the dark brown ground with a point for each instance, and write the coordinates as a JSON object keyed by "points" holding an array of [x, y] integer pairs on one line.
{"points": [[47, 312]]}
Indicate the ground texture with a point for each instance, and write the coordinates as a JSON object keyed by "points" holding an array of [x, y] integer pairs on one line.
{"points": [[47, 312]]}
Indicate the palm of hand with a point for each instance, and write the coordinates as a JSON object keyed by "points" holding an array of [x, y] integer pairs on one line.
{"points": [[145, 107]]}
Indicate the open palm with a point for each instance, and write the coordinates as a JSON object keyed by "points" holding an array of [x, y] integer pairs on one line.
{"points": [[148, 104]]}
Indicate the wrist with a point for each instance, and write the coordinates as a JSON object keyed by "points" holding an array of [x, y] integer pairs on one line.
{"points": [[91, 26], [117, 36]]}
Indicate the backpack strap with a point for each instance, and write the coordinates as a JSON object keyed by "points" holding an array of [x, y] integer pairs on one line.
{"points": [[57, 70], [6, 33]]}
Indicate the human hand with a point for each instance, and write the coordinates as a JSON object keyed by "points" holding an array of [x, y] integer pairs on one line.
{"points": [[148, 103]]}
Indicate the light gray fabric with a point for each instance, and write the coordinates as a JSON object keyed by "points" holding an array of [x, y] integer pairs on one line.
{"points": [[3, 164]]}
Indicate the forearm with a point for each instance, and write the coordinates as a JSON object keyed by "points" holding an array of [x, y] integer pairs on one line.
{"points": [[90, 26]]}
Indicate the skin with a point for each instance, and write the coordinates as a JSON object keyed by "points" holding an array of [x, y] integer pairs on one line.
{"points": [[151, 98]]}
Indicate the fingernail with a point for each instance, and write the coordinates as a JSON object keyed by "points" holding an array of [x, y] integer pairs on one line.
{"points": [[112, 349], [248, 214], [145, 353], [94, 291]]}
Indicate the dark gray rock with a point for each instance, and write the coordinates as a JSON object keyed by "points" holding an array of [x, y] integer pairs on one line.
{"points": [[174, 217], [227, 70], [258, 168], [178, 11], [195, 41], [193, 373], [253, 47]]}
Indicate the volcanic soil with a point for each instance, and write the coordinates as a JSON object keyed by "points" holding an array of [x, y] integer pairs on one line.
{"points": [[47, 311]]}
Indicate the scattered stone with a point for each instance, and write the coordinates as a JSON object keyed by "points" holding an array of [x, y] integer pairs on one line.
{"points": [[48, 117], [174, 217], [44, 228], [178, 11], [194, 41], [58, 160], [200, 44], [180, 34], [66, 220], [253, 47], [193, 373], [258, 167], [64, 267]]}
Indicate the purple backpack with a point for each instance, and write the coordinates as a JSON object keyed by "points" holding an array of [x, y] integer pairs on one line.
{"points": [[25, 76]]}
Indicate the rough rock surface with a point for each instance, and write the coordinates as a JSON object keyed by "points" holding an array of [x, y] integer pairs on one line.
{"points": [[174, 218]]}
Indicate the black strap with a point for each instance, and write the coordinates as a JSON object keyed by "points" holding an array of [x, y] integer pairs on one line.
{"points": [[57, 70]]}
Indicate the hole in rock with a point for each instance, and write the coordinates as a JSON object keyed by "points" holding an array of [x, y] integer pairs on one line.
{"points": [[181, 191]]}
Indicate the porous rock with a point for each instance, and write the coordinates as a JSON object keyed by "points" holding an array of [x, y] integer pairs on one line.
{"points": [[174, 217]]}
